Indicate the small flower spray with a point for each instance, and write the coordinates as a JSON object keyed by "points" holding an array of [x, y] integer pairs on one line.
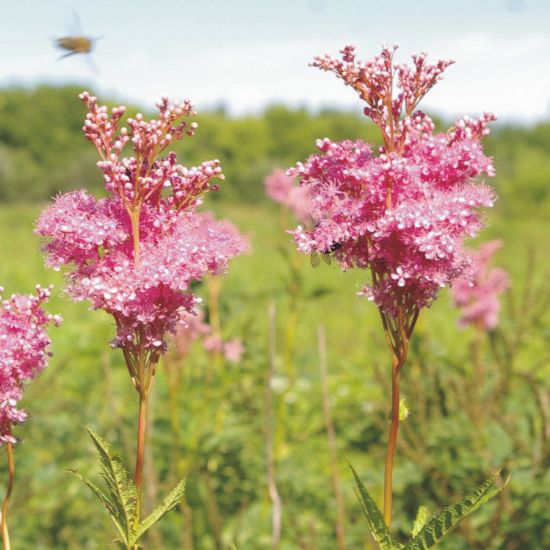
{"points": [[193, 327], [284, 190], [402, 212], [478, 297], [24, 354]]}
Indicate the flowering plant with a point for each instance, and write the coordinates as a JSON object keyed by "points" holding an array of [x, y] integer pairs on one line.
{"points": [[135, 253], [402, 212]]}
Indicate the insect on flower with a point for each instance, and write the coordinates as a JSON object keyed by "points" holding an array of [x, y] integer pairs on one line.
{"points": [[315, 259]]}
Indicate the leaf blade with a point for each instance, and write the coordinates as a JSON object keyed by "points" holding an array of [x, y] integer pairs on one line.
{"points": [[422, 517], [101, 496], [377, 526], [174, 497], [119, 483], [444, 521]]}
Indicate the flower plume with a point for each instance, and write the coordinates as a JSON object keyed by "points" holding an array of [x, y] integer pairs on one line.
{"points": [[136, 252], [402, 212], [24, 346]]}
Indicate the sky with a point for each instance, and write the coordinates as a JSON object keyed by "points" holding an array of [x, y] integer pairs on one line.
{"points": [[247, 54]]}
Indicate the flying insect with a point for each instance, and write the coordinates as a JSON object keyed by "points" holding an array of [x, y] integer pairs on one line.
{"points": [[74, 45], [77, 44]]}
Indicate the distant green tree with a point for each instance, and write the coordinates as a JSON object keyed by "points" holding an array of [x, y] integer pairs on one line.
{"points": [[43, 151]]}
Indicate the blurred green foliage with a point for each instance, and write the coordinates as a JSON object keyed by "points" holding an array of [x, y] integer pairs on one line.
{"points": [[43, 151], [477, 402]]}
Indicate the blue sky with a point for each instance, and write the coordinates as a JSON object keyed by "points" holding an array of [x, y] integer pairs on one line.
{"points": [[250, 53]]}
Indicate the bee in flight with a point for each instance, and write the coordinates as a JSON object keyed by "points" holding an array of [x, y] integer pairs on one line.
{"points": [[315, 257], [77, 43], [74, 45]]}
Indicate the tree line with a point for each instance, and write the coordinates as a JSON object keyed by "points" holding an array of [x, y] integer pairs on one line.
{"points": [[43, 151]]}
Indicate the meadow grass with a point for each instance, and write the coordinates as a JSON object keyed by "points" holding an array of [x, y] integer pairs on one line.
{"points": [[87, 383]]}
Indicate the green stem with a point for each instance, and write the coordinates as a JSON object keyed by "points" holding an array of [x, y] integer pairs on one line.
{"points": [[5, 504]]}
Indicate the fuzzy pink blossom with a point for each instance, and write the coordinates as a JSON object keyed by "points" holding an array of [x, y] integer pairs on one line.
{"points": [[402, 212], [24, 353], [234, 350], [477, 297], [284, 190], [192, 328], [135, 253]]}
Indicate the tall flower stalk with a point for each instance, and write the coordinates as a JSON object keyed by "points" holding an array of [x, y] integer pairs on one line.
{"points": [[402, 211], [135, 253], [24, 353]]}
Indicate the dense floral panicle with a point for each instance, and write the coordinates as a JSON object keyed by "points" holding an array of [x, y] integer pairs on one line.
{"points": [[101, 127], [9, 413], [24, 351], [284, 189], [176, 249], [375, 81], [404, 211], [477, 296], [182, 186], [144, 176], [79, 226], [136, 252], [192, 327]]}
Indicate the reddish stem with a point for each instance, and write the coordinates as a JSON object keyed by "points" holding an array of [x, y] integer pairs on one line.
{"points": [[398, 332], [392, 441], [140, 452]]}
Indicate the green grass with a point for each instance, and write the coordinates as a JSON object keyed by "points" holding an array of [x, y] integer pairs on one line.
{"points": [[87, 384]]}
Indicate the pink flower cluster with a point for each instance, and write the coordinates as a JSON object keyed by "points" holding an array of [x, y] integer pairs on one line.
{"points": [[374, 81], [24, 352], [135, 253], [284, 189], [192, 327], [402, 212], [478, 297]]}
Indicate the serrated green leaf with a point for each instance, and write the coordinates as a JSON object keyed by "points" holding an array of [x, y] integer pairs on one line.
{"points": [[441, 523], [374, 517], [101, 496], [172, 499], [420, 520], [120, 485]]}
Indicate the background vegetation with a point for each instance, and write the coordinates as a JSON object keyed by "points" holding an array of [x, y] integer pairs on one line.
{"points": [[477, 402]]}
